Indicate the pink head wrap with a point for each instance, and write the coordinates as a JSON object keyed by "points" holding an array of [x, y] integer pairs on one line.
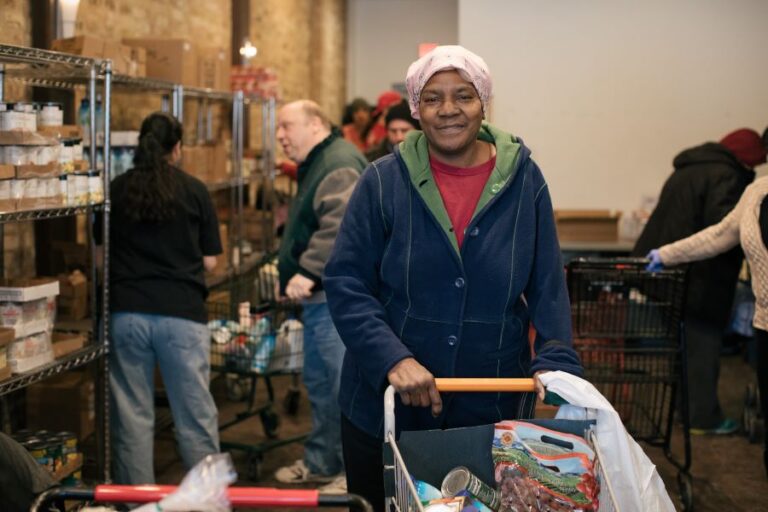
{"points": [[471, 67]]}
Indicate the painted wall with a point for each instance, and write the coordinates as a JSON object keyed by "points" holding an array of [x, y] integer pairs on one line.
{"points": [[384, 36], [607, 93]]}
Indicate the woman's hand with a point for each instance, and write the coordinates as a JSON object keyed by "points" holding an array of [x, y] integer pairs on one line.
{"points": [[416, 385], [538, 386]]}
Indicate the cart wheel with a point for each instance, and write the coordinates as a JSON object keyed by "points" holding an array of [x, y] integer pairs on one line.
{"points": [[749, 420], [254, 467], [291, 401], [750, 397], [684, 482], [270, 421]]}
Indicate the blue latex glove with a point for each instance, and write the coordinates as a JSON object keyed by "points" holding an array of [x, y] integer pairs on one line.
{"points": [[655, 264]]}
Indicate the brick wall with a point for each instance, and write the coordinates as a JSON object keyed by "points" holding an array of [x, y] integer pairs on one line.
{"points": [[305, 42]]}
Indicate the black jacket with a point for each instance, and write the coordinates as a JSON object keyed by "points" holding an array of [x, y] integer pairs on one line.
{"points": [[706, 184]]}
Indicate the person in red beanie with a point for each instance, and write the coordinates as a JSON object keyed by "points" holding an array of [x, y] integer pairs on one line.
{"points": [[705, 186], [377, 131]]}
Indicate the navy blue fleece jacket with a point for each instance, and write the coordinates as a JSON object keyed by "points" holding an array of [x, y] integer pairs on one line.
{"points": [[398, 286]]}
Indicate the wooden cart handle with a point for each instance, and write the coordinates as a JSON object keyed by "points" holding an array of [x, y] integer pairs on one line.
{"points": [[485, 385]]}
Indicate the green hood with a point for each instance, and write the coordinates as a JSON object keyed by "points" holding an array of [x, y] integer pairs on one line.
{"points": [[415, 154]]}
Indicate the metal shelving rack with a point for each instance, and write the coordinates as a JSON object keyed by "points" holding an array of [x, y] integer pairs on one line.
{"points": [[49, 69]]}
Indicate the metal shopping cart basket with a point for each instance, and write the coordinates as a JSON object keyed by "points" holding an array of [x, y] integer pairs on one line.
{"points": [[415, 454], [257, 340], [628, 330], [251, 497]]}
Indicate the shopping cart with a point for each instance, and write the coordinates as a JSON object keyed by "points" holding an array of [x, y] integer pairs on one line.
{"points": [[252, 497], [628, 330], [254, 340], [462, 447]]}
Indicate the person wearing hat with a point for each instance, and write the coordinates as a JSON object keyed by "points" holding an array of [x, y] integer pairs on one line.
{"points": [[705, 186], [377, 130], [446, 254], [399, 122]]}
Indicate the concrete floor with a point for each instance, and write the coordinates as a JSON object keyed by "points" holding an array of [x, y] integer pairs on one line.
{"points": [[727, 471]]}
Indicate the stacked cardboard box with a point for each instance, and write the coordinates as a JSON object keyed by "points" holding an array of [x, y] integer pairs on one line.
{"points": [[126, 60], [173, 60], [73, 296], [28, 306]]}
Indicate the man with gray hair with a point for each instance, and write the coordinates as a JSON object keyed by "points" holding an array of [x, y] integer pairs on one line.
{"points": [[329, 168]]}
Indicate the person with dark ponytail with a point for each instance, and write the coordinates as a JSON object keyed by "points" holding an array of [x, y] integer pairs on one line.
{"points": [[164, 235]]}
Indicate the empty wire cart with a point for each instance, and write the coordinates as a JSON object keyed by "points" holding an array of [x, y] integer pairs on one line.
{"points": [[628, 330]]}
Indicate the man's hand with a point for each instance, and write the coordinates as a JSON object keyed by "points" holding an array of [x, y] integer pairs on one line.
{"points": [[538, 386], [415, 385], [299, 287]]}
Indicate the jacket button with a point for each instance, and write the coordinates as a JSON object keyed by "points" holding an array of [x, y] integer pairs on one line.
{"points": [[474, 231], [452, 340], [495, 188], [459, 282]]}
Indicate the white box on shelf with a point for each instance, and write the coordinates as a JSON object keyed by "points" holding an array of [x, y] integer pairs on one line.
{"points": [[31, 352], [23, 290]]}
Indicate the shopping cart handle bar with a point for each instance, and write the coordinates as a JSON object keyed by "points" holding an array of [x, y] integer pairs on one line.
{"points": [[485, 385], [238, 496]]}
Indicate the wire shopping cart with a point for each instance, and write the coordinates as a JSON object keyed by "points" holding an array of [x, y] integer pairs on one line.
{"points": [[254, 341], [455, 444], [252, 497], [628, 330]]}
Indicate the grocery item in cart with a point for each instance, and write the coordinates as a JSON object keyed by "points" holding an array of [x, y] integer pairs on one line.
{"points": [[541, 469], [461, 479]]}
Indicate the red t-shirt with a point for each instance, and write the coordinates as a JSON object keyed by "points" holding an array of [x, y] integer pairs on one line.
{"points": [[461, 189]]}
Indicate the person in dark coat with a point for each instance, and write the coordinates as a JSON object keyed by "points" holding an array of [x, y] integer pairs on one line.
{"points": [[399, 122], [706, 184]]}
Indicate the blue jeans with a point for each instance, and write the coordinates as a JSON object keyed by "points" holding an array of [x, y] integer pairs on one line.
{"points": [[181, 348], [323, 355]]}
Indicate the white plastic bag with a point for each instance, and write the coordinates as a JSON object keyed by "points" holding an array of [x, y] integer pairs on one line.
{"points": [[204, 488], [635, 481]]}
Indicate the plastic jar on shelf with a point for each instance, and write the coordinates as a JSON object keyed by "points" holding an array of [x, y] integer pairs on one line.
{"points": [[48, 154], [50, 114], [19, 155], [95, 187]]}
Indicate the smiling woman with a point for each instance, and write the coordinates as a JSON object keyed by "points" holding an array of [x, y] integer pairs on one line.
{"points": [[446, 254]]}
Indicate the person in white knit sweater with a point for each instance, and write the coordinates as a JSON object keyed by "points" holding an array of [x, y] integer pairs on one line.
{"points": [[746, 224]]}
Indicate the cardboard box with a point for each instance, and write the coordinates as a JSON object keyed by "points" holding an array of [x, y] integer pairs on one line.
{"points": [[23, 290], [31, 352], [73, 298], [66, 402], [66, 342], [26, 139], [223, 259], [174, 60], [213, 69], [7, 335], [195, 161], [67, 131], [219, 168], [126, 60], [51, 170], [587, 225]]}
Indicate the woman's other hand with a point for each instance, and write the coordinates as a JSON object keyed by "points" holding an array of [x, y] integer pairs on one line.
{"points": [[655, 264], [416, 385]]}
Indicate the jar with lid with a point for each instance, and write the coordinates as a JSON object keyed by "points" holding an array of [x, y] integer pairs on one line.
{"points": [[50, 114], [19, 155], [27, 115], [14, 118]]}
